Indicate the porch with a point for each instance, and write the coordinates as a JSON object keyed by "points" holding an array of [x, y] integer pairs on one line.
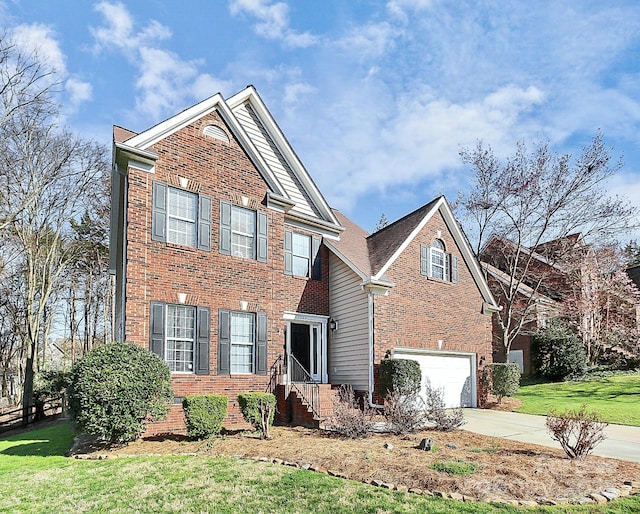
{"points": [[300, 399]]}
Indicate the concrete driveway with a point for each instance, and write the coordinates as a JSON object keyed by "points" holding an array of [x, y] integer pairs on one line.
{"points": [[622, 442]]}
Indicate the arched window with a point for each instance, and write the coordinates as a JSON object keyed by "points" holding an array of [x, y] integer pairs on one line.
{"points": [[436, 263], [438, 260], [216, 133]]}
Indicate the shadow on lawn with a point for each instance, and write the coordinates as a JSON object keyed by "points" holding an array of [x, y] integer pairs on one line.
{"points": [[52, 440]]}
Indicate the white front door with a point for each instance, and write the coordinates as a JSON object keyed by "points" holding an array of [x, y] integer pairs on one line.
{"points": [[306, 342]]}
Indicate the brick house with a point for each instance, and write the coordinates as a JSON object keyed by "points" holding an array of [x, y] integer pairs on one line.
{"points": [[231, 266]]}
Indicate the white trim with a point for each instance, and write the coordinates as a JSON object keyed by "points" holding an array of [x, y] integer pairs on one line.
{"points": [[167, 127], [461, 242], [411, 237], [302, 318], [251, 95], [446, 353]]}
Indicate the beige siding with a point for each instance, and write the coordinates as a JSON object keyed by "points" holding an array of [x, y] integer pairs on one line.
{"points": [[274, 159], [348, 346]]}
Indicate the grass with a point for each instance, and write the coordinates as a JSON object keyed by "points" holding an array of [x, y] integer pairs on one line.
{"points": [[616, 399], [455, 467], [35, 476]]}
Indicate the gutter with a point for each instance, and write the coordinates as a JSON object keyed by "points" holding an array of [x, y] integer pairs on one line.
{"points": [[371, 306]]}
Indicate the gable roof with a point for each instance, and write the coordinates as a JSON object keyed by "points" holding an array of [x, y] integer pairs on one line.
{"points": [[291, 190], [522, 288], [370, 256], [388, 241]]}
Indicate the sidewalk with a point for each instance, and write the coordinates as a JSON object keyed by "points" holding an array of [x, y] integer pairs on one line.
{"points": [[622, 442]]}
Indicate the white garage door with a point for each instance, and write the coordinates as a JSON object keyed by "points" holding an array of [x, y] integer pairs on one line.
{"points": [[453, 371]]}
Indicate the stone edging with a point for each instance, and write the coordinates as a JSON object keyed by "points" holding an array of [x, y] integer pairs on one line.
{"points": [[606, 495]]}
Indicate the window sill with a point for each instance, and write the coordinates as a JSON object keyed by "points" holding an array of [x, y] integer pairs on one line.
{"points": [[440, 281], [183, 248]]}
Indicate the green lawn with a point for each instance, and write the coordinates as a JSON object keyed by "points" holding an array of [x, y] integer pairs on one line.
{"points": [[36, 477], [616, 399]]}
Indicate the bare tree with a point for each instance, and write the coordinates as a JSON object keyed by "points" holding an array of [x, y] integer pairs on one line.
{"points": [[518, 206], [42, 153], [26, 85]]}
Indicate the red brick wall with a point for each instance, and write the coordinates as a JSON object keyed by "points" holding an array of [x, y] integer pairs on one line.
{"points": [[420, 310], [158, 271]]}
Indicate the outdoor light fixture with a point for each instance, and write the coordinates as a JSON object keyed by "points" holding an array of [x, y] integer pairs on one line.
{"points": [[333, 325]]}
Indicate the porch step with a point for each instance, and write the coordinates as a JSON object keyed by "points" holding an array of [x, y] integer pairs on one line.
{"points": [[294, 409]]}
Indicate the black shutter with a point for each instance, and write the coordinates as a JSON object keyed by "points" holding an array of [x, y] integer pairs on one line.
{"points": [[156, 332], [202, 341], [224, 342], [225, 228], [454, 269], [288, 252], [261, 233], [316, 261], [261, 344], [447, 267], [424, 260], [159, 212], [204, 222]]}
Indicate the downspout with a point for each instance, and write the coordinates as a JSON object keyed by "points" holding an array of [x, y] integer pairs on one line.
{"points": [[371, 307]]}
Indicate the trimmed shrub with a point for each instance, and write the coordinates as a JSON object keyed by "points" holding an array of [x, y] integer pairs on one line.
{"points": [[115, 388], [559, 352], [204, 414], [504, 379], [402, 376], [577, 431], [258, 410]]}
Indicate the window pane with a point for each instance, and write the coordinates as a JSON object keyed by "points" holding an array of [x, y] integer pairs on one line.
{"points": [[180, 337], [301, 253], [243, 226], [301, 245], [300, 266], [242, 246], [181, 232], [437, 263], [242, 342], [182, 211]]}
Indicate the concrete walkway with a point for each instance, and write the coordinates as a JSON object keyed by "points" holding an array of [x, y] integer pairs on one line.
{"points": [[622, 442]]}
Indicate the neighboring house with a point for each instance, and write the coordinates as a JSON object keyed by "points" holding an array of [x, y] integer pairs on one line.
{"points": [[536, 309], [545, 280], [231, 266]]}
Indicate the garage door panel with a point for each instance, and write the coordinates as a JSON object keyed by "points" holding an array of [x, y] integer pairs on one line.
{"points": [[452, 372]]}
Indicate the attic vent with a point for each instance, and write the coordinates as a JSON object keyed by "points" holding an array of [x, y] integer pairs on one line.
{"points": [[216, 133]]}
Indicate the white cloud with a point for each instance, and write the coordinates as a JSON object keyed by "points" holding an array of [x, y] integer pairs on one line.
{"points": [[293, 92], [369, 41], [40, 40], [399, 8], [78, 90], [118, 31], [415, 139], [273, 22], [165, 81]]}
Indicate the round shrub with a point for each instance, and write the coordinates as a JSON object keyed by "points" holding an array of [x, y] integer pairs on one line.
{"points": [[504, 378], [559, 352], [115, 388], [402, 376], [258, 409], [204, 414]]}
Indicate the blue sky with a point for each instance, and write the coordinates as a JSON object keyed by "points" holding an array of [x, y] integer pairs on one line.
{"points": [[377, 98]]}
